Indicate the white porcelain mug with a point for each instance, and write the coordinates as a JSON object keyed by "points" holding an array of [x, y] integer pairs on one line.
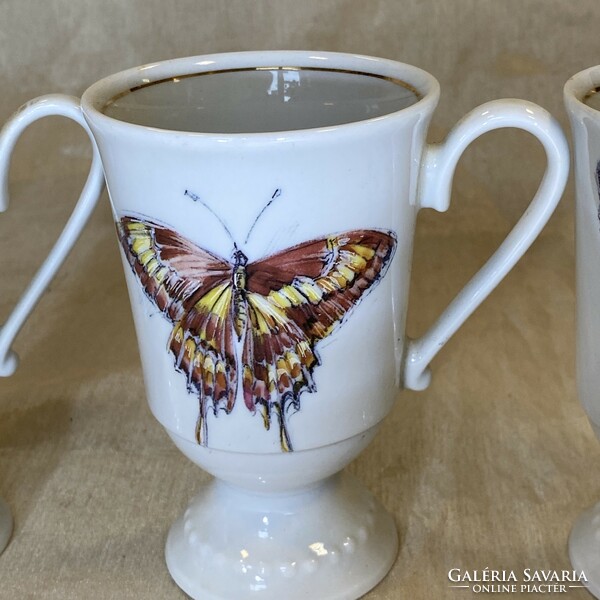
{"points": [[265, 205], [583, 105]]}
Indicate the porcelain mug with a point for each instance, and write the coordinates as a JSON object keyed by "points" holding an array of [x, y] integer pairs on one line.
{"points": [[265, 206], [583, 105]]}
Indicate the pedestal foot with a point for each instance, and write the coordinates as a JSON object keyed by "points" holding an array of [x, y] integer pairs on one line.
{"points": [[584, 547], [334, 541]]}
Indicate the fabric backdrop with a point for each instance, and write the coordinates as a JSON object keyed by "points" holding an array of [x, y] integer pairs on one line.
{"points": [[487, 468]]}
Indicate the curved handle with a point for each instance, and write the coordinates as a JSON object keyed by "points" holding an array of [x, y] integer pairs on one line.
{"points": [[54, 104], [435, 184]]}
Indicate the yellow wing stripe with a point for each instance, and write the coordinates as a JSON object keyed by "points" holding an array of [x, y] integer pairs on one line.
{"points": [[161, 274], [356, 262], [311, 290], [152, 266], [292, 294], [294, 365], [177, 334], [208, 370], [146, 256], [142, 241], [346, 272], [328, 284], [143, 248], [363, 251], [216, 300], [349, 262], [271, 377], [248, 376], [297, 293], [279, 299], [137, 226], [190, 348], [268, 315]]}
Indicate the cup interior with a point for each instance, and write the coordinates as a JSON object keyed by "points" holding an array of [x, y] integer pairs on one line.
{"points": [[592, 98], [261, 99]]}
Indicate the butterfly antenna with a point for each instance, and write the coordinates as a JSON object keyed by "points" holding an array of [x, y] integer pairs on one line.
{"points": [[275, 195], [196, 198]]}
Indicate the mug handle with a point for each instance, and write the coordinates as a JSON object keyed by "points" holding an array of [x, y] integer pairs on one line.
{"points": [[44, 106], [435, 185]]}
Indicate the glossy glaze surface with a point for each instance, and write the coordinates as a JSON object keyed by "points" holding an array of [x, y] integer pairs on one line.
{"points": [[584, 542], [580, 99], [264, 193], [230, 540]]}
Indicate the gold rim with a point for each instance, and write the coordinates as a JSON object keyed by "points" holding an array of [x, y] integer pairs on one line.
{"points": [[589, 94], [141, 86]]}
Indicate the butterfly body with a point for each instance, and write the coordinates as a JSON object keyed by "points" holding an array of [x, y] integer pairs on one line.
{"points": [[240, 313], [277, 308]]}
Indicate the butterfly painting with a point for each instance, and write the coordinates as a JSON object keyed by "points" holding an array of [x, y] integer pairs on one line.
{"points": [[252, 325]]}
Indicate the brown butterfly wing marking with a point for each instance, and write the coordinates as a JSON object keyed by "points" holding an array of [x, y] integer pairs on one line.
{"points": [[295, 299], [193, 289]]}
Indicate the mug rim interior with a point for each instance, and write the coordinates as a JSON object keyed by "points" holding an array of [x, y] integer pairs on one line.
{"points": [[99, 95]]}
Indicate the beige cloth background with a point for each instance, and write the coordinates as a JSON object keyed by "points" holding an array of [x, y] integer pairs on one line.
{"points": [[487, 468]]}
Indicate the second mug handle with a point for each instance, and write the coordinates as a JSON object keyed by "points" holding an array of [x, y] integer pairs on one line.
{"points": [[435, 183], [44, 106]]}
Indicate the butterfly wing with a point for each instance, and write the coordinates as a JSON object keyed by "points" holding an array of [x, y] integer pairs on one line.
{"points": [[295, 299], [193, 289]]}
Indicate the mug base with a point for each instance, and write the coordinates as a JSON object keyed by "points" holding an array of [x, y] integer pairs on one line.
{"points": [[332, 541], [584, 548], [6, 524]]}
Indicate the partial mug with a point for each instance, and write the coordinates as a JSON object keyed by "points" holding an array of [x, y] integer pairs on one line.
{"points": [[265, 206], [582, 102]]}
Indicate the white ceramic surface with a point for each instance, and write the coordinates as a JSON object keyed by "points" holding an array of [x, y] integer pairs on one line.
{"points": [[584, 547], [584, 543], [268, 271], [230, 540]]}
